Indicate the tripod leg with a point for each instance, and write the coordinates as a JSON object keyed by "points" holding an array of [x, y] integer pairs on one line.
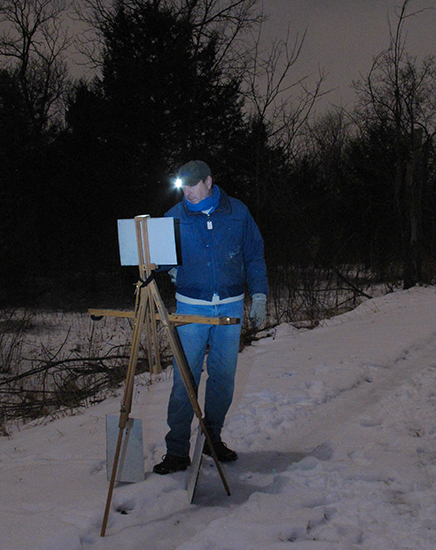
{"points": [[126, 404], [112, 483], [187, 377], [185, 371]]}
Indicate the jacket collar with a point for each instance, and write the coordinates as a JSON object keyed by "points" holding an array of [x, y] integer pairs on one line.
{"points": [[223, 206]]}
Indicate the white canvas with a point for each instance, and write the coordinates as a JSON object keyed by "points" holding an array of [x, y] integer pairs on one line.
{"points": [[161, 240]]}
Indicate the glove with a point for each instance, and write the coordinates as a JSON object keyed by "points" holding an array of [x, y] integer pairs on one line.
{"points": [[173, 274], [258, 310]]}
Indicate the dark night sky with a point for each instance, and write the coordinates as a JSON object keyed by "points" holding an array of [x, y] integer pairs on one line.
{"points": [[343, 36]]}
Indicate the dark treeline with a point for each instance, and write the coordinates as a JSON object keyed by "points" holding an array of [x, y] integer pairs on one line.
{"points": [[350, 189]]}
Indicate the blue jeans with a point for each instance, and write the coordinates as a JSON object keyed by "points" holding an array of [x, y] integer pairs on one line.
{"points": [[223, 341]]}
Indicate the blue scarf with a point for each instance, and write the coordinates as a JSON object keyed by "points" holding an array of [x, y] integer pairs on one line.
{"points": [[209, 203]]}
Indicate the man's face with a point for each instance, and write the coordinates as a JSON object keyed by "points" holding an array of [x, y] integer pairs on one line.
{"points": [[198, 192]]}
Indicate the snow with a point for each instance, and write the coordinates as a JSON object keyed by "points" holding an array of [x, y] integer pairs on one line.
{"points": [[336, 432]]}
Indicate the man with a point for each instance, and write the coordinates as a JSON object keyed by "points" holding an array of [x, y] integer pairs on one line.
{"points": [[222, 251]]}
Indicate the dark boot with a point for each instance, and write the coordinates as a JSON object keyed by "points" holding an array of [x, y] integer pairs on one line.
{"points": [[172, 463], [223, 453]]}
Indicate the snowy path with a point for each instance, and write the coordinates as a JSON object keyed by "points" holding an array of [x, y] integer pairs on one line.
{"points": [[336, 431]]}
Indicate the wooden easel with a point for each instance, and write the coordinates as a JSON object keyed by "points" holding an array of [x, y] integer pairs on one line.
{"points": [[149, 308]]}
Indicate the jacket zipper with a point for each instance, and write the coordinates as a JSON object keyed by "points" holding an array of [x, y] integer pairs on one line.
{"points": [[209, 225]]}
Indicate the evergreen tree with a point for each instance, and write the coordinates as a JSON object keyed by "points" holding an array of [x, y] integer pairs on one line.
{"points": [[162, 101]]}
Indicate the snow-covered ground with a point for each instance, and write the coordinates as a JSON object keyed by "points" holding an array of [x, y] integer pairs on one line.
{"points": [[336, 431]]}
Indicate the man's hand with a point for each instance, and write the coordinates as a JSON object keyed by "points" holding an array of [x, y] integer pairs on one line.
{"points": [[258, 310]]}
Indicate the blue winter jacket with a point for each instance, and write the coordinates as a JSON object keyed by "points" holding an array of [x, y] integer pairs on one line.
{"points": [[221, 252]]}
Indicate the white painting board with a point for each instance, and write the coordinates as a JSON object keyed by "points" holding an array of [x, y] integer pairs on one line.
{"points": [[194, 470], [161, 241], [131, 460]]}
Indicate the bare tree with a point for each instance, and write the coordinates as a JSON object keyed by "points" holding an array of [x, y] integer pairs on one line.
{"points": [[271, 94], [279, 105], [33, 43], [399, 93], [286, 103], [226, 20]]}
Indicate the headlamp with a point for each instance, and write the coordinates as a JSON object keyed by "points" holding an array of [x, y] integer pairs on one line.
{"points": [[178, 183]]}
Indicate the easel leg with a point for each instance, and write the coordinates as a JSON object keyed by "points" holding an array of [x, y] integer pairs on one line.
{"points": [[194, 472], [185, 371], [152, 338], [126, 405], [112, 483]]}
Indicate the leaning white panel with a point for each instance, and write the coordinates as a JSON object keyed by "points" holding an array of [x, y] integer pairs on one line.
{"points": [[131, 460]]}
